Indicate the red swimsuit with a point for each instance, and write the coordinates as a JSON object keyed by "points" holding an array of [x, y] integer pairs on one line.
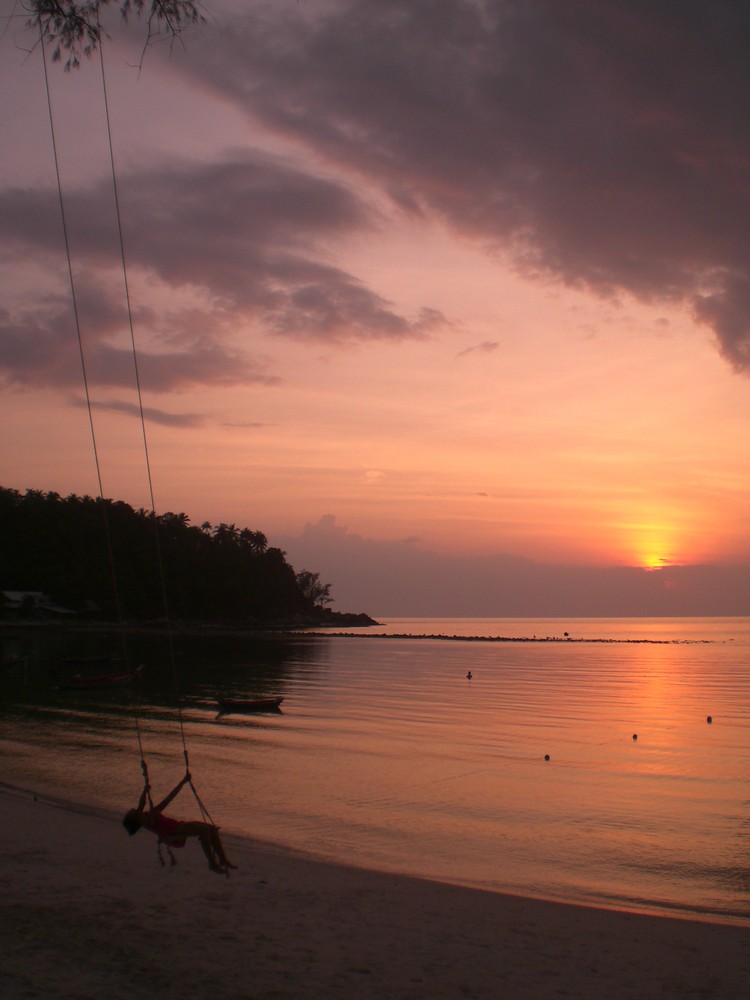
{"points": [[166, 829]]}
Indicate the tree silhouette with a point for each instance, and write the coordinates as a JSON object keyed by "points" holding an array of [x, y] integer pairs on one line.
{"points": [[72, 26], [79, 550], [316, 592]]}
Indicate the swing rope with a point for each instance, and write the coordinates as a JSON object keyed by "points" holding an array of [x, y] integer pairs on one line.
{"points": [[147, 787], [107, 533], [144, 436], [137, 378], [82, 356]]}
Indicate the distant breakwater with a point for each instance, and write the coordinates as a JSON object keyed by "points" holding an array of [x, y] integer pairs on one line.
{"points": [[502, 638]]}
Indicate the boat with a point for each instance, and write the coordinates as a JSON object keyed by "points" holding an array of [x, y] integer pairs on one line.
{"points": [[249, 704], [82, 682]]}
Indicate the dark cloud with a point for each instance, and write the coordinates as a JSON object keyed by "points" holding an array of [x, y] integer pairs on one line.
{"points": [[604, 144], [244, 236], [341, 310], [33, 353], [727, 311], [252, 236], [39, 347], [150, 414]]}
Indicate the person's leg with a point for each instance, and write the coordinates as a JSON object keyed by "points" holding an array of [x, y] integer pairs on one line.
{"points": [[208, 837], [214, 862], [218, 847]]}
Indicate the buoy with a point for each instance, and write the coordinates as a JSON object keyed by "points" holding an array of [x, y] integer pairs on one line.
{"points": [[546, 756], [709, 719], [635, 736]]}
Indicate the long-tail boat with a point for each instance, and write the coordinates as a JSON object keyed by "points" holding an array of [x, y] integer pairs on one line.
{"points": [[249, 704]]}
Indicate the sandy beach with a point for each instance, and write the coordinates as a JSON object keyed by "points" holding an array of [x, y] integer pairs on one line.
{"points": [[88, 912]]}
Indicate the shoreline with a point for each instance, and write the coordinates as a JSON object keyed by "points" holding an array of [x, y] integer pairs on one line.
{"points": [[86, 910]]}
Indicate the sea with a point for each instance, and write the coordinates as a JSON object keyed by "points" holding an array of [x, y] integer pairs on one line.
{"points": [[603, 762]]}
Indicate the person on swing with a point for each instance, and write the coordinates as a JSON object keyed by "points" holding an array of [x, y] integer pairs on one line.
{"points": [[174, 832]]}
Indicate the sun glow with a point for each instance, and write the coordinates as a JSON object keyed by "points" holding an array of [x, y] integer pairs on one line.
{"points": [[653, 544], [654, 552], [653, 563]]}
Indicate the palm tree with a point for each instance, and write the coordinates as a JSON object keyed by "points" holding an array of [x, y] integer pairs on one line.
{"points": [[256, 541]]}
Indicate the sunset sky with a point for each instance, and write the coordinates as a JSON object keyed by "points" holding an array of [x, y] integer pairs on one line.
{"points": [[450, 299]]}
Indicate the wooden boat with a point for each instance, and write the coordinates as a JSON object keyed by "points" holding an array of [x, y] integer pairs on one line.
{"points": [[249, 704], [81, 682]]}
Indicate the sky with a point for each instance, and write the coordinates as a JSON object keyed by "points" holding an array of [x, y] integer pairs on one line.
{"points": [[450, 300]]}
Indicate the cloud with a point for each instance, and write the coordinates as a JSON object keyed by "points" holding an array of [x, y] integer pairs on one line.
{"points": [[604, 145], [39, 347], [241, 239], [486, 347], [341, 309], [727, 311], [403, 579], [150, 414], [252, 425]]}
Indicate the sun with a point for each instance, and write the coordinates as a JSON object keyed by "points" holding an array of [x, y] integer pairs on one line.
{"points": [[654, 553], [652, 563], [653, 546]]}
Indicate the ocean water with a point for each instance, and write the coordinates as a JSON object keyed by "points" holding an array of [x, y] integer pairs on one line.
{"points": [[386, 755]]}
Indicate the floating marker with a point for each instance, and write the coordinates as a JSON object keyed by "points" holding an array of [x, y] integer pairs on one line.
{"points": [[709, 719], [635, 736], [546, 756]]}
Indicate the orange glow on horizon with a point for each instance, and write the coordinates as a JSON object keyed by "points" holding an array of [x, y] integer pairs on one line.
{"points": [[654, 546]]}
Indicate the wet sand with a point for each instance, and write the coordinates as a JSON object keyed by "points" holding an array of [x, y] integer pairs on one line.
{"points": [[87, 912]]}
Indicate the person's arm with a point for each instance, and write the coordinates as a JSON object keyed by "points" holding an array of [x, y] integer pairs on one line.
{"points": [[165, 802]]}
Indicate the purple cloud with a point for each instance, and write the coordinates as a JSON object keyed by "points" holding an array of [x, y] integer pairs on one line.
{"points": [[252, 235], [39, 347], [602, 144], [150, 413], [244, 236]]}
